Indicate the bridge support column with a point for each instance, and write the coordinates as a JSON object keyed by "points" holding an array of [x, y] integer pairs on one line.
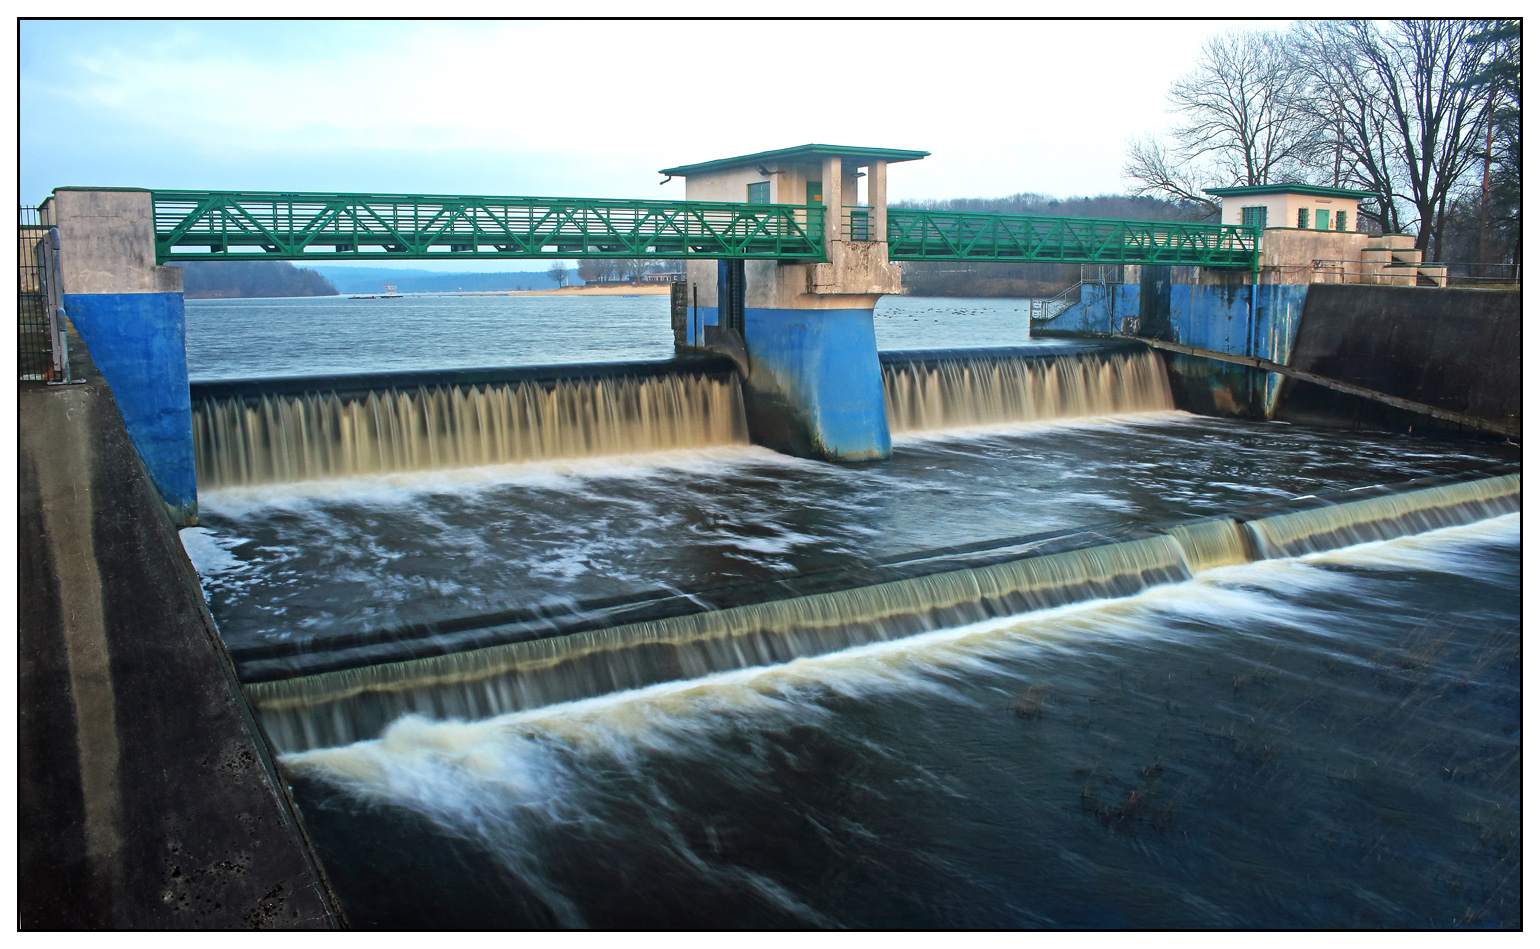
{"points": [[130, 314], [802, 333]]}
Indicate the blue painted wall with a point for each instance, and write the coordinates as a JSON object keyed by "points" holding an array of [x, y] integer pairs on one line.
{"points": [[138, 341], [1247, 321], [1100, 310], [815, 385], [696, 321]]}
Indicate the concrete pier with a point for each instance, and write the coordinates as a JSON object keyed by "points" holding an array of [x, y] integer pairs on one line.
{"points": [[147, 798], [802, 332], [130, 312]]}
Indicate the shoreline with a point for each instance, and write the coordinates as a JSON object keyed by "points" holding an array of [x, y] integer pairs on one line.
{"points": [[646, 289]]}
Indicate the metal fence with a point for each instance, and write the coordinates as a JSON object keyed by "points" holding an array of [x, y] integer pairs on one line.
{"points": [[42, 351]]}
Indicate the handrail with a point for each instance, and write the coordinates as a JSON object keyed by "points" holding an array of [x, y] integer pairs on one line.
{"points": [[204, 225], [955, 235]]}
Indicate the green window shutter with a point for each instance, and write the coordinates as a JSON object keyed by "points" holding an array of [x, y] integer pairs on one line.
{"points": [[1322, 219], [1254, 217], [1341, 220], [1304, 217]]}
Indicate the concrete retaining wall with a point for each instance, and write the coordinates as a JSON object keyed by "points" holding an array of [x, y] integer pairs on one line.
{"points": [[1458, 350], [130, 312], [146, 796]]}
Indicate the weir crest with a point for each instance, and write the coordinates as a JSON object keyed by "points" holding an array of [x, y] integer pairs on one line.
{"points": [[346, 705]]}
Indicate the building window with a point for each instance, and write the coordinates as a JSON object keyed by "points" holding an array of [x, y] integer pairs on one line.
{"points": [[1254, 217], [759, 192], [1304, 217], [1341, 220]]}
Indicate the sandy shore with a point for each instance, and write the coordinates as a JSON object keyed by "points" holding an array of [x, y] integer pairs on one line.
{"points": [[646, 289]]}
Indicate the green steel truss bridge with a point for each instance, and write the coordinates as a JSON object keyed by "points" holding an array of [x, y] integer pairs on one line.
{"points": [[208, 225]]}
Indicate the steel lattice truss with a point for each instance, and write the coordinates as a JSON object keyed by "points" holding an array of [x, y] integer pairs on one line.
{"points": [[950, 235], [203, 225]]}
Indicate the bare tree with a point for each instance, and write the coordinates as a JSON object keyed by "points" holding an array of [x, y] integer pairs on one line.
{"points": [[1238, 122], [1160, 174], [558, 273], [1408, 112], [588, 270]]}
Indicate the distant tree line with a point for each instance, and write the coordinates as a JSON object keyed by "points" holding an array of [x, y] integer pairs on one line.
{"points": [[945, 278], [1422, 114], [621, 270], [207, 279]]}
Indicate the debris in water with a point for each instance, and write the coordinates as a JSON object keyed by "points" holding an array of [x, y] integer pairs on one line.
{"points": [[1030, 704]]}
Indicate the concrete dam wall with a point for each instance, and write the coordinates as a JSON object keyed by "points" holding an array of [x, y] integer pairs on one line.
{"points": [[1459, 350], [147, 795], [1454, 350]]}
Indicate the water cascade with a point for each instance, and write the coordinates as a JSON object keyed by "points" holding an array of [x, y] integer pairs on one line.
{"points": [[345, 705], [950, 389], [262, 437]]}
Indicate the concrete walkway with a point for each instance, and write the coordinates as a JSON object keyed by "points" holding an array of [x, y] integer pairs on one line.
{"points": [[146, 796]]}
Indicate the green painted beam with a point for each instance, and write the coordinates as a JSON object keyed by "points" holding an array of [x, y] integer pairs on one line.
{"points": [[204, 225], [207, 225], [953, 235]]}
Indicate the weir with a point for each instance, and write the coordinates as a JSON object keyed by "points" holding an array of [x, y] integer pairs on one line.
{"points": [[528, 669], [950, 389], [268, 431]]}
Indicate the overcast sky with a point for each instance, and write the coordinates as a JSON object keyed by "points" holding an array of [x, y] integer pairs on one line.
{"points": [[588, 109]]}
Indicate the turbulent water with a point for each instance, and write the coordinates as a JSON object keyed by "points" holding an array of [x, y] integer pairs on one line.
{"points": [[1329, 739], [1326, 742]]}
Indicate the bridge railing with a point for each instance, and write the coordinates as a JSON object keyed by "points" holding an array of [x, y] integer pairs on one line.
{"points": [[203, 225], [954, 235], [856, 224]]}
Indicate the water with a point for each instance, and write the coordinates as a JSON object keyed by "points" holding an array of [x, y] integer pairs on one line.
{"points": [[1324, 741], [324, 558], [235, 339], [1320, 743]]}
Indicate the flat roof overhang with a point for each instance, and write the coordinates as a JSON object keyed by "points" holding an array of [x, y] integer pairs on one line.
{"points": [[801, 153], [1318, 191]]}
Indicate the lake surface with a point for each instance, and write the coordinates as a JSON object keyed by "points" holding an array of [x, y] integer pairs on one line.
{"points": [[237, 339], [1319, 742]]}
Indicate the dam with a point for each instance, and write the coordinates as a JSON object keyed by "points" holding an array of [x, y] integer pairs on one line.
{"points": [[584, 643]]}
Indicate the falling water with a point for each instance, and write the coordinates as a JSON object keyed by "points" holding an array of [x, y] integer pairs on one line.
{"points": [[339, 707], [271, 438], [930, 394]]}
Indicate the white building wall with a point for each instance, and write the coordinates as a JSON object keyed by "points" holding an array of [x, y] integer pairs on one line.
{"points": [[1283, 209]]}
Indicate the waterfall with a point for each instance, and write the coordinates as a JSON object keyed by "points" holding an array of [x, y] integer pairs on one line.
{"points": [[937, 391], [265, 438], [346, 705]]}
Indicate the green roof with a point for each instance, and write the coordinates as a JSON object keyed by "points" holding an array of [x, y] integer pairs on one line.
{"points": [[801, 153], [1318, 191]]}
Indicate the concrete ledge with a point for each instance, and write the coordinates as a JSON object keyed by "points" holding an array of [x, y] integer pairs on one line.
{"points": [[146, 795]]}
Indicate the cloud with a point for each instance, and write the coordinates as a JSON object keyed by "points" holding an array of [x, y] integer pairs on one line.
{"points": [[594, 108]]}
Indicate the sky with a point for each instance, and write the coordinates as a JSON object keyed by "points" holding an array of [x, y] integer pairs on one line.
{"points": [[585, 108]]}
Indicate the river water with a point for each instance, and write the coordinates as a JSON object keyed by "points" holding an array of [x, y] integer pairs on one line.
{"points": [[234, 339], [1326, 741]]}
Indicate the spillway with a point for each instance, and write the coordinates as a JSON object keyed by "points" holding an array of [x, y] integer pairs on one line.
{"points": [[278, 431], [540, 664], [938, 390]]}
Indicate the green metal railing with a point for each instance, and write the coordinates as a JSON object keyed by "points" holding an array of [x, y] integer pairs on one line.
{"points": [[952, 235], [857, 225], [203, 225]]}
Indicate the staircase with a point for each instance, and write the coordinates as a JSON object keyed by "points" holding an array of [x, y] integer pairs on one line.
{"points": [[1393, 260]]}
